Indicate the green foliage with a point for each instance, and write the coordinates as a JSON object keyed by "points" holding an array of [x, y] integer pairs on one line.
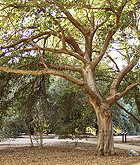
{"points": [[123, 121], [11, 127], [73, 112]]}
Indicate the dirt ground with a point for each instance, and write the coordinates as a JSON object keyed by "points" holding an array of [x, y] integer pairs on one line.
{"points": [[62, 152]]}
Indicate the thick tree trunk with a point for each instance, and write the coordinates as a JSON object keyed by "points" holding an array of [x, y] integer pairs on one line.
{"points": [[105, 144]]}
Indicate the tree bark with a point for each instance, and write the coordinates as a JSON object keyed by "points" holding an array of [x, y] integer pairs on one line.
{"points": [[105, 144], [41, 141], [29, 134]]}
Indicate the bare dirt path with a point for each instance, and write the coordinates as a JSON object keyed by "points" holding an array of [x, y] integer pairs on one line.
{"points": [[63, 152], [133, 142]]}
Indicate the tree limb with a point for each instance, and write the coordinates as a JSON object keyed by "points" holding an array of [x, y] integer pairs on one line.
{"points": [[42, 72], [113, 62], [59, 51], [115, 84], [113, 98], [70, 40], [104, 48], [67, 67], [128, 112], [48, 33], [72, 20]]}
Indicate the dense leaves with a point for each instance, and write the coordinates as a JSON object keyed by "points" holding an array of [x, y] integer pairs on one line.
{"points": [[73, 112]]}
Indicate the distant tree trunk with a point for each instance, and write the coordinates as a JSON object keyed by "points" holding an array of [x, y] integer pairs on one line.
{"points": [[137, 101], [41, 140], [137, 98], [29, 134], [105, 144]]}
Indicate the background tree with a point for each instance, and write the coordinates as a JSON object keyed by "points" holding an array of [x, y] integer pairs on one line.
{"points": [[11, 127], [75, 37], [73, 113]]}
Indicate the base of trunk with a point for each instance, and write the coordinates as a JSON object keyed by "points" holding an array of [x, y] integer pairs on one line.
{"points": [[105, 144], [103, 153]]}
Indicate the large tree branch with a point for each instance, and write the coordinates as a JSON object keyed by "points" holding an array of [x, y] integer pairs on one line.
{"points": [[67, 67], [42, 72], [104, 48], [70, 40], [73, 20], [115, 84], [113, 98], [77, 56], [128, 112], [110, 34]]}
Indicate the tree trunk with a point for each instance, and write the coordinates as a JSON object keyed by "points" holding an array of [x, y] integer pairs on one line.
{"points": [[29, 134], [41, 140], [105, 144]]}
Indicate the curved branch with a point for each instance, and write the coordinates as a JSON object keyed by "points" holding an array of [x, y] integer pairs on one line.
{"points": [[128, 89], [104, 48], [70, 40], [59, 51], [128, 112], [115, 84], [42, 72], [113, 98], [113, 62]]}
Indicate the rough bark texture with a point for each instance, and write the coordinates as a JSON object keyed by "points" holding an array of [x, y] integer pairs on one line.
{"points": [[105, 145], [105, 137]]}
